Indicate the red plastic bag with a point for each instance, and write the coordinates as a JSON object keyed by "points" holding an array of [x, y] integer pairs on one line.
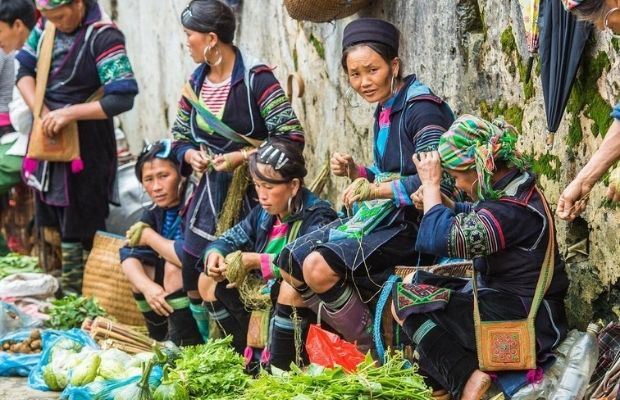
{"points": [[328, 349]]}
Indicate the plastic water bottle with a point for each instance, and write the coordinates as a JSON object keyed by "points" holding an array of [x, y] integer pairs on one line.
{"points": [[580, 364]]}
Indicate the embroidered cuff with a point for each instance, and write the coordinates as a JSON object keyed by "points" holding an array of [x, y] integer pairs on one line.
{"points": [[399, 194], [362, 172], [265, 266]]}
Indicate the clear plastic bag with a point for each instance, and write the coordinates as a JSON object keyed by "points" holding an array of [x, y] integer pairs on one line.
{"points": [[12, 319]]}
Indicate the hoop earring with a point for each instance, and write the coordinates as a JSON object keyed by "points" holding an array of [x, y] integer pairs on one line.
{"points": [[392, 84], [607, 15], [471, 188], [206, 59], [289, 207]]}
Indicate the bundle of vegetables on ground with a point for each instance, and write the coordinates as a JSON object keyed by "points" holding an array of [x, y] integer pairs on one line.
{"points": [[392, 380], [14, 263], [71, 311], [70, 363], [208, 371], [31, 344]]}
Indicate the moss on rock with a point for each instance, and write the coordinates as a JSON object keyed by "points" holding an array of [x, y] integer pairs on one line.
{"points": [[509, 47], [586, 98]]}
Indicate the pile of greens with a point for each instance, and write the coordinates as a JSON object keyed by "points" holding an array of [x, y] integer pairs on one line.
{"points": [[210, 371], [14, 263], [389, 381], [70, 311]]}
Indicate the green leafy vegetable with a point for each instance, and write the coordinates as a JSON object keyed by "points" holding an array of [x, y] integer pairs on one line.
{"points": [[14, 263], [210, 371], [389, 381], [70, 311]]}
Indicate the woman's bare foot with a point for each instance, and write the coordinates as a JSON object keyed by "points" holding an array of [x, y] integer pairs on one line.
{"points": [[476, 386], [440, 394]]}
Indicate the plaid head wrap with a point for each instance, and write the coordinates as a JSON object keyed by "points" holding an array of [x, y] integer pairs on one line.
{"points": [[473, 143], [571, 4]]}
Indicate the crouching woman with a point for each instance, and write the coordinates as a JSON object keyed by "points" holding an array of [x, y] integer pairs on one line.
{"points": [[151, 258], [506, 231], [287, 210]]}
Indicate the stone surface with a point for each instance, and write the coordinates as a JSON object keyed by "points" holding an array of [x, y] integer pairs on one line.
{"points": [[17, 389], [453, 46]]}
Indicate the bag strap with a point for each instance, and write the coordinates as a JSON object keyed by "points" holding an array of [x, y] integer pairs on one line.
{"points": [[218, 126], [544, 279], [44, 62]]}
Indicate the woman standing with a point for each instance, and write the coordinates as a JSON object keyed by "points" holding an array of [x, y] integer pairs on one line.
{"points": [[506, 232], [330, 265], [605, 15], [88, 53], [229, 102]]}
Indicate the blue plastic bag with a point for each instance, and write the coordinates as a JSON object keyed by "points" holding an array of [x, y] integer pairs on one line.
{"points": [[105, 390], [17, 364], [49, 338], [12, 319]]}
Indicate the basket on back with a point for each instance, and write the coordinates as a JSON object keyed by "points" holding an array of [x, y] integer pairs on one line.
{"points": [[105, 281], [323, 10]]}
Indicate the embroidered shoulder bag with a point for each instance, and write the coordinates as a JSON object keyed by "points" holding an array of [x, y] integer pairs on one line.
{"points": [[511, 345]]}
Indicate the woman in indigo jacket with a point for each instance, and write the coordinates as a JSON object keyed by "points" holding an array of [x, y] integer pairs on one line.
{"points": [[505, 232], [88, 55], [151, 260], [330, 265], [234, 96], [287, 209]]}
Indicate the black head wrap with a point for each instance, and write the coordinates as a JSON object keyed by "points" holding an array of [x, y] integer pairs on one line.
{"points": [[210, 16], [366, 30]]}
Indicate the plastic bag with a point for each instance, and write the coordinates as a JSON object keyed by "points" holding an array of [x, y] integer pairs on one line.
{"points": [[12, 319], [17, 364], [49, 338], [328, 349], [105, 390], [28, 284]]}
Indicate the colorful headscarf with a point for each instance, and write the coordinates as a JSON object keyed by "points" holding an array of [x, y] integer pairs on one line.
{"points": [[51, 4], [474, 143], [570, 4]]}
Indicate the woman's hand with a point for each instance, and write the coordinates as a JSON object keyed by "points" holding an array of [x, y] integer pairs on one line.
{"points": [[613, 191], [53, 121], [418, 198], [428, 166], [573, 200], [197, 160], [215, 266], [359, 190], [155, 295], [228, 162], [343, 165]]}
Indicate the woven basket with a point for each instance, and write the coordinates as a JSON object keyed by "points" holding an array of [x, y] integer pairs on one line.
{"points": [[105, 281], [323, 10]]}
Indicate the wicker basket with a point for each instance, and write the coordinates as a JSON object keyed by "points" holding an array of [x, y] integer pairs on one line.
{"points": [[105, 281], [323, 10]]}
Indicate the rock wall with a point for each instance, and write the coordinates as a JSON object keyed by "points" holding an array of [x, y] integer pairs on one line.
{"points": [[470, 52]]}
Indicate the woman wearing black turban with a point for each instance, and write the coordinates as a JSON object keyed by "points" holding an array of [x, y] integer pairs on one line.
{"points": [[330, 265]]}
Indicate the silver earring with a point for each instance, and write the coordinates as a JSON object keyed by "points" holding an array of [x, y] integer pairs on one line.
{"points": [[290, 201], [206, 59], [392, 84]]}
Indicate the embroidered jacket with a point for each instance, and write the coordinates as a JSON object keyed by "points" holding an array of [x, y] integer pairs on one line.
{"points": [[507, 238]]}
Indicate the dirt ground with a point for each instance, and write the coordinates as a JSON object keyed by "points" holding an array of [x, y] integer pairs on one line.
{"points": [[17, 389]]}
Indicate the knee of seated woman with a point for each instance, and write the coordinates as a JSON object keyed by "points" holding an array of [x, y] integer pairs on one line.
{"points": [[173, 278], [317, 272]]}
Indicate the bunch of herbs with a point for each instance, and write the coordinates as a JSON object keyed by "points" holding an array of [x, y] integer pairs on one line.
{"points": [[71, 310]]}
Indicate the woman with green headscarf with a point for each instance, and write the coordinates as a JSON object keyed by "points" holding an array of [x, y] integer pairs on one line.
{"points": [[505, 231]]}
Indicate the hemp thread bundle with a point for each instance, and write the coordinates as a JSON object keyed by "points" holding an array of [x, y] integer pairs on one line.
{"points": [[234, 199], [235, 271], [361, 188], [320, 180], [251, 294], [134, 233]]}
